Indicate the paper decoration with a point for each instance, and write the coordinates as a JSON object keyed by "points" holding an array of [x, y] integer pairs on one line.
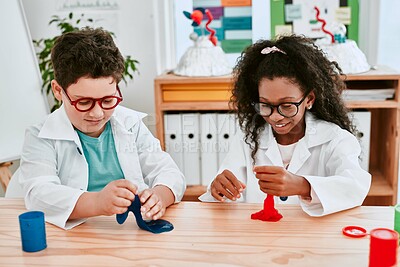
{"points": [[292, 12], [343, 15]]}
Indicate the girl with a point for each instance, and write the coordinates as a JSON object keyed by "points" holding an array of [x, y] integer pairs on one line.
{"points": [[297, 140]]}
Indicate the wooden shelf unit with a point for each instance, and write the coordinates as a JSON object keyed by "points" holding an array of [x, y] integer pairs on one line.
{"points": [[176, 93]]}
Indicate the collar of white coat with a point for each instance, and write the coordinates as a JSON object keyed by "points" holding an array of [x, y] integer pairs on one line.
{"points": [[317, 132], [57, 125]]}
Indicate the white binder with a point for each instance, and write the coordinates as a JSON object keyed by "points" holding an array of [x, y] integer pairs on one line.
{"points": [[226, 129], [173, 138], [191, 148], [208, 142], [362, 121]]}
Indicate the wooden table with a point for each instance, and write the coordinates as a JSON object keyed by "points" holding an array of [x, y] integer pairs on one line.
{"points": [[221, 234]]}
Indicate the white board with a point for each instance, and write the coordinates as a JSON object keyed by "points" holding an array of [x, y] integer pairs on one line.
{"points": [[21, 100]]}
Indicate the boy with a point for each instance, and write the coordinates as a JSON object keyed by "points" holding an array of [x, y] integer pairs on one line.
{"points": [[91, 156]]}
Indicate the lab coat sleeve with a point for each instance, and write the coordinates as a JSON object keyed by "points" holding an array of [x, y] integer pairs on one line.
{"points": [[158, 167], [235, 161], [41, 186], [346, 184]]}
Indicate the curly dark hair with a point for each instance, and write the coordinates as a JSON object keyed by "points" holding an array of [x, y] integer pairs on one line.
{"points": [[86, 53], [303, 64]]}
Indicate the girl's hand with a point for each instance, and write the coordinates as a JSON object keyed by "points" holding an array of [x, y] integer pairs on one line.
{"points": [[116, 197], [153, 206], [277, 181], [226, 184]]}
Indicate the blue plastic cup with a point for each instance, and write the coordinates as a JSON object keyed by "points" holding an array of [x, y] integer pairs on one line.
{"points": [[33, 231]]}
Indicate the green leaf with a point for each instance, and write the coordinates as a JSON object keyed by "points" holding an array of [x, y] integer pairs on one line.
{"points": [[54, 20]]}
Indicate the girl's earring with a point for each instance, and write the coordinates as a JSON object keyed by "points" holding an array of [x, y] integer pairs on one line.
{"points": [[309, 107]]}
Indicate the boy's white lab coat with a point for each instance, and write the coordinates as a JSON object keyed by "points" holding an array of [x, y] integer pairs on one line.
{"points": [[54, 172], [327, 156]]}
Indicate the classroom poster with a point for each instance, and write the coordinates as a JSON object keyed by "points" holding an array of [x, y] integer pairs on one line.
{"points": [[299, 17], [232, 21], [307, 23], [258, 10]]}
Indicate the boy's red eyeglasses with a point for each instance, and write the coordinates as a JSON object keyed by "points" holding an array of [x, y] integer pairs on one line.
{"points": [[87, 103]]}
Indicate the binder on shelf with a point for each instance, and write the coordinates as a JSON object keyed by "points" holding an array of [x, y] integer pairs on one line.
{"points": [[208, 141], [226, 129], [173, 138], [368, 95], [191, 148], [362, 121]]}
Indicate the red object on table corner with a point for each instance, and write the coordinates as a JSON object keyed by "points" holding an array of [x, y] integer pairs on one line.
{"points": [[383, 247]]}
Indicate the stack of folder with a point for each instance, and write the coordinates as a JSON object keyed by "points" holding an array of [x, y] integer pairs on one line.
{"points": [[198, 143], [368, 95]]}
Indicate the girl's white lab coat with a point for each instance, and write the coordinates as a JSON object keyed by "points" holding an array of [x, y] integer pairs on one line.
{"points": [[327, 156], [54, 172]]}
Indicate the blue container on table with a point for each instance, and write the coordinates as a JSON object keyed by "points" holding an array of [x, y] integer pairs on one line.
{"points": [[33, 231]]}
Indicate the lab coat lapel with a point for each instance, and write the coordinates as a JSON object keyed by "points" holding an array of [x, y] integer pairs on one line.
{"points": [[122, 122], [125, 146], [268, 143], [273, 154], [317, 133], [58, 127], [300, 155]]}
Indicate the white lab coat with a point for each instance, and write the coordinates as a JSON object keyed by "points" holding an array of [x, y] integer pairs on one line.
{"points": [[327, 156], [54, 174]]}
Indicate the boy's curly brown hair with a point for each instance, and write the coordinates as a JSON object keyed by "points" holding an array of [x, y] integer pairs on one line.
{"points": [[86, 53]]}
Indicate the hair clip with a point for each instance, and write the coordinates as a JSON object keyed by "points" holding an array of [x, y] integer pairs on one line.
{"points": [[273, 49]]}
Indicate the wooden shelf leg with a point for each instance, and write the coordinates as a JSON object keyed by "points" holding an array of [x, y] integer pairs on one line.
{"points": [[5, 174]]}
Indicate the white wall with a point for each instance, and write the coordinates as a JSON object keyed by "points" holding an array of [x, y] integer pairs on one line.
{"points": [[388, 41], [135, 24], [368, 29], [379, 32]]}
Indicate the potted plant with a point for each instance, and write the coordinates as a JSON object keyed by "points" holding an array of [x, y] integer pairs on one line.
{"points": [[44, 47]]}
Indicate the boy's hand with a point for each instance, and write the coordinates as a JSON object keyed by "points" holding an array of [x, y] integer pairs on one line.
{"points": [[277, 181], [226, 184], [116, 197], [152, 205]]}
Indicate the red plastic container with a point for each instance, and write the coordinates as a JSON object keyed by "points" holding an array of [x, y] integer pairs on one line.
{"points": [[383, 247]]}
